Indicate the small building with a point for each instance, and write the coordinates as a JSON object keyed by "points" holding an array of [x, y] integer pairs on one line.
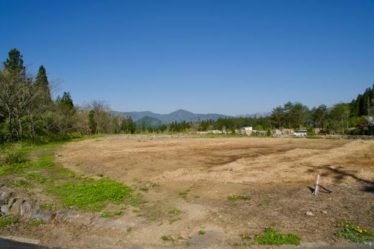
{"points": [[247, 130], [300, 133]]}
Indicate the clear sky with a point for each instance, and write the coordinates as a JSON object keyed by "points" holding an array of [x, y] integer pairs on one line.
{"points": [[230, 57]]}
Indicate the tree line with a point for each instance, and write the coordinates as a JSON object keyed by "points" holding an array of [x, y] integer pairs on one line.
{"points": [[29, 112]]}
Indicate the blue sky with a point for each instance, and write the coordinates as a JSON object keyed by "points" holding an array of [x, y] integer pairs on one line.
{"points": [[230, 57]]}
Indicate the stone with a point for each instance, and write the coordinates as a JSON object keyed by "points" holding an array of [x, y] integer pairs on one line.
{"points": [[42, 214], [309, 213], [4, 209], [15, 208], [4, 197], [25, 209], [11, 201]]}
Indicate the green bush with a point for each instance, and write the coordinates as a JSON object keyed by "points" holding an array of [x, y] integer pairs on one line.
{"points": [[15, 154], [272, 237]]}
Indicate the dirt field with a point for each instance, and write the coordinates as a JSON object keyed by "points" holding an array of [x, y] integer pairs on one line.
{"points": [[186, 182]]}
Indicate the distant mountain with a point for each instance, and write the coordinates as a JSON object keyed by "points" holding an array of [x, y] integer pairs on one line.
{"points": [[178, 116], [148, 122]]}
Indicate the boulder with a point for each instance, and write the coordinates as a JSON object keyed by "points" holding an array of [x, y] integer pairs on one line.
{"points": [[42, 214], [4, 197], [15, 208], [25, 209], [4, 209]]}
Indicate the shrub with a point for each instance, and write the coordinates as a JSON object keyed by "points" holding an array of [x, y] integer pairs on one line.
{"points": [[15, 154]]}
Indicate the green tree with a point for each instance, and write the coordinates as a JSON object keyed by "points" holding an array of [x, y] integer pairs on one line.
{"points": [[319, 116], [339, 117], [41, 81], [92, 122], [65, 100], [14, 64]]}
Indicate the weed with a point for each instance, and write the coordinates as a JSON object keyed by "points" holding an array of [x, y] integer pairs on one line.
{"points": [[264, 203], [173, 215], [350, 231], [201, 231], [172, 238], [34, 223], [234, 198], [7, 221], [272, 237], [185, 193]]}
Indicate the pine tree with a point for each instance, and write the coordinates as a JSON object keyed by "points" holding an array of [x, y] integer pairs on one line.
{"points": [[41, 81], [14, 64], [66, 100]]}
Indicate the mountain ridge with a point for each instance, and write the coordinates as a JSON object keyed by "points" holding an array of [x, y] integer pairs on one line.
{"points": [[181, 115]]}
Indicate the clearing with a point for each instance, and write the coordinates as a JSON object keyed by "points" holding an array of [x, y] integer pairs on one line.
{"points": [[219, 192]]}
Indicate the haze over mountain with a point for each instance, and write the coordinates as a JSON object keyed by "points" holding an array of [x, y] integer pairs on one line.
{"points": [[179, 116]]}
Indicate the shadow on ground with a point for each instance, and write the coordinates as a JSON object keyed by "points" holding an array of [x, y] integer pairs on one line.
{"points": [[10, 244]]}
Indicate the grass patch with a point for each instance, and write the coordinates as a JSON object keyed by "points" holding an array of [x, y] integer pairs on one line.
{"points": [[272, 237], [350, 231], [94, 195], [40, 172], [234, 198], [8, 220]]}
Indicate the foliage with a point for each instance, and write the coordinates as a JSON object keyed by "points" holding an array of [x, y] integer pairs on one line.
{"points": [[15, 154], [354, 233], [272, 237]]}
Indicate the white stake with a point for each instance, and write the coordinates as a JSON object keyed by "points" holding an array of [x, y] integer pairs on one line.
{"points": [[316, 190]]}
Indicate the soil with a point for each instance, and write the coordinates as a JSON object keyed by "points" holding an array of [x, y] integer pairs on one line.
{"points": [[186, 182]]}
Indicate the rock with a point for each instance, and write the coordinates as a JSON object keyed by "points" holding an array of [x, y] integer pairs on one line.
{"points": [[324, 212], [11, 201], [41, 214], [15, 208], [4, 197], [25, 209], [4, 209], [309, 213]]}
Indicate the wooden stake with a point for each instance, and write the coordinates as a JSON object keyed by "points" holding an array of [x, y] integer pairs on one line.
{"points": [[316, 190]]}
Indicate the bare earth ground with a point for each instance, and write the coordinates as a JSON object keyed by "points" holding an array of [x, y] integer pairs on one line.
{"points": [[186, 182]]}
